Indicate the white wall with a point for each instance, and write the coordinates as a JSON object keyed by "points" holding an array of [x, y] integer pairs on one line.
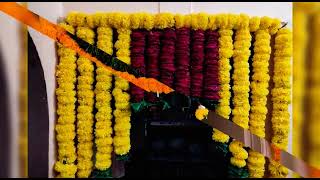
{"points": [[53, 11], [10, 44]]}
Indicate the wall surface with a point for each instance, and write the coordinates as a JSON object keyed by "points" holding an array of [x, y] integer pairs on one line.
{"points": [[54, 11], [48, 56], [10, 41]]}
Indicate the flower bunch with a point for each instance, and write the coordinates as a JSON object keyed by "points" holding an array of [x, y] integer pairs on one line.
{"points": [[137, 61], [281, 96], [65, 93], [142, 20], [122, 113], [259, 91], [182, 21], [201, 112], [86, 103], [239, 154], [164, 20], [241, 83], [103, 126]]}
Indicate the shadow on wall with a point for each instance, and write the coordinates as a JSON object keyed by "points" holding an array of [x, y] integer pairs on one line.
{"points": [[38, 118]]}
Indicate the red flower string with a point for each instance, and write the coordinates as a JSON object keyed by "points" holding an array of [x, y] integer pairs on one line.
{"points": [[211, 80], [182, 52], [137, 61], [167, 66], [197, 58], [152, 55]]}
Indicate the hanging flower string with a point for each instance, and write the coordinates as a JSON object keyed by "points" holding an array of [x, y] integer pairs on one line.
{"points": [[281, 97], [225, 53], [85, 118], [122, 98], [182, 55], [241, 83], [199, 24], [152, 55], [66, 98], [259, 92], [167, 66], [211, 79], [103, 126], [137, 48]]}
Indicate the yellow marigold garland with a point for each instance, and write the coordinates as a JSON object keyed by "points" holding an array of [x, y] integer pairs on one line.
{"points": [[103, 129], [281, 97], [300, 41], [122, 98], [241, 85], [65, 127], [314, 96], [225, 53], [123, 22], [86, 103], [259, 91]]}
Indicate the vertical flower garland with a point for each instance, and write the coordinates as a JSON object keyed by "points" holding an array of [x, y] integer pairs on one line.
{"points": [[152, 55], [167, 65], [211, 81], [122, 99], [300, 38], [314, 97], [241, 83], [199, 24], [281, 97], [103, 128], [65, 127], [85, 109], [182, 84], [137, 61], [259, 92], [165, 22], [225, 53]]}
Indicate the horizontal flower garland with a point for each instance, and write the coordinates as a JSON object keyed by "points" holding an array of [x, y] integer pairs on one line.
{"points": [[103, 127], [65, 127], [281, 97]]}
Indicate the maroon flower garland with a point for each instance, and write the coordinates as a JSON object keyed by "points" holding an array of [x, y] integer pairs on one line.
{"points": [[211, 79], [197, 58], [152, 53], [182, 52], [137, 61], [167, 65]]}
